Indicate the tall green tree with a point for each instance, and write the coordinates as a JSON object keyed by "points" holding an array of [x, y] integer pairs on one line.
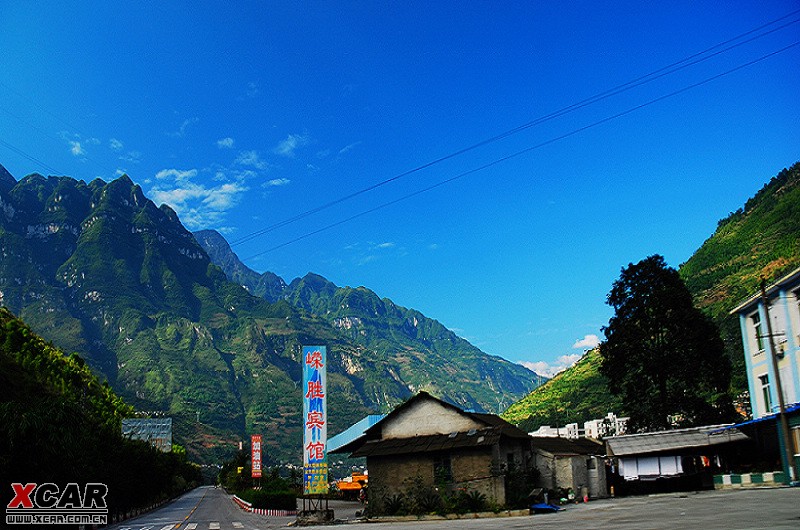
{"points": [[662, 356]]}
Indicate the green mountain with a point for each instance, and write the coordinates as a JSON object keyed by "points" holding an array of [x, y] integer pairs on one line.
{"points": [[98, 269], [762, 239], [404, 344]]}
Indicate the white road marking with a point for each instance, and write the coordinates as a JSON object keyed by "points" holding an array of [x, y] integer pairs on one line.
{"points": [[238, 525], [213, 526], [191, 526], [168, 527]]}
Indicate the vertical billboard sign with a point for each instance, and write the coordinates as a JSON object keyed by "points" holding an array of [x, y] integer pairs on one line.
{"points": [[255, 454], [315, 421]]}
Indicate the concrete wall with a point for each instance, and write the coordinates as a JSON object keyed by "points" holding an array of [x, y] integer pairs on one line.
{"points": [[572, 472], [427, 417], [598, 483]]}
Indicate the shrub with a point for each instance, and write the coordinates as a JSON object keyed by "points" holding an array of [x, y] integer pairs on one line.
{"points": [[274, 500]]}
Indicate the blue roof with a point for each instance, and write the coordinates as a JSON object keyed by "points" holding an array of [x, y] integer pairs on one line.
{"points": [[354, 432], [795, 407]]}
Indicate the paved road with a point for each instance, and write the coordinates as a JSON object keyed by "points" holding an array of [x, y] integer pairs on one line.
{"points": [[210, 509], [204, 508]]}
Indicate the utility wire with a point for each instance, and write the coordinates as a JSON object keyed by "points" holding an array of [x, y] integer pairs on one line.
{"points": [[527, 150], [691, 60], [47, 135], [29, 157]]}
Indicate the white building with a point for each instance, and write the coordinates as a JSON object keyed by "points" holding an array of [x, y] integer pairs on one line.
{"points": [[784, 312], [570, 431], [611, 425]]}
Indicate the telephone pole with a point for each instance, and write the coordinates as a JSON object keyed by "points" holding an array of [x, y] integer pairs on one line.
{"points": [[786, 454]]}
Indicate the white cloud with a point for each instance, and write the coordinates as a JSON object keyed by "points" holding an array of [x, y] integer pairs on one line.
{"points": [[288, 146], [587, 343], [549, 370], [75, 148], [176, 174], [133, 157], [388, 244], [115, 145], [225, 143], [181, 132], [347, 148], [252, 159], [277, 182], [197, 205]]}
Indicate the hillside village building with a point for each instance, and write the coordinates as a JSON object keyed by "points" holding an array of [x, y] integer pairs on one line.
{"points": [[429, 443]]}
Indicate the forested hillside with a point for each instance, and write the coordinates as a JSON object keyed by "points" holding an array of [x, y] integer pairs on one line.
{"points": [[577, 394], [762, 239], [59, 424]]}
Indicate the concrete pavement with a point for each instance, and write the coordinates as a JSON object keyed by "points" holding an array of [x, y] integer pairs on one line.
{"points": [[778, 508]]}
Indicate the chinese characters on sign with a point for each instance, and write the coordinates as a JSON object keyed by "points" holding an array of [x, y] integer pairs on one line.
{"points": [[315, 420], [255, 458]]}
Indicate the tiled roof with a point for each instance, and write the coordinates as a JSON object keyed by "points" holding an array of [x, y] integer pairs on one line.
{"points": [[430, 443]]}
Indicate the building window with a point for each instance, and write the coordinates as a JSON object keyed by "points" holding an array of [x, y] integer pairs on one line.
{"points": [[764, 380], [442, 469], [796, 440], [795, 315], [755, 321]]}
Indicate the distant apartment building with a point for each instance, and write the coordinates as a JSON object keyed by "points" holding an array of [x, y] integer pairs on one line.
{"points": [[597, 429], [784, 312], [611, 425], [569, 431]]}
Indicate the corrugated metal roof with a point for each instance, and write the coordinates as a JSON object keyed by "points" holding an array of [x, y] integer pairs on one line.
{"points": [[353, 433], [659, 442]]}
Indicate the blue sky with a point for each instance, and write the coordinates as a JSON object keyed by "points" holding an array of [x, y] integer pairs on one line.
{"points": [[243, 115]]}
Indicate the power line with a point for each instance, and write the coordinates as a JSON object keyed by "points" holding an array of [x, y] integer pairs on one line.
{"points": [[527, 150], [686, 62], [47, 135], [30, 157]]}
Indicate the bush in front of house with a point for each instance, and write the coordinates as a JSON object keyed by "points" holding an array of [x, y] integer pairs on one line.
{"points": [[420, 499]]}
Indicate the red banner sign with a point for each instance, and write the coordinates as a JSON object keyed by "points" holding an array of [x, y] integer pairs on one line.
{"points": [[255, 458]]}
